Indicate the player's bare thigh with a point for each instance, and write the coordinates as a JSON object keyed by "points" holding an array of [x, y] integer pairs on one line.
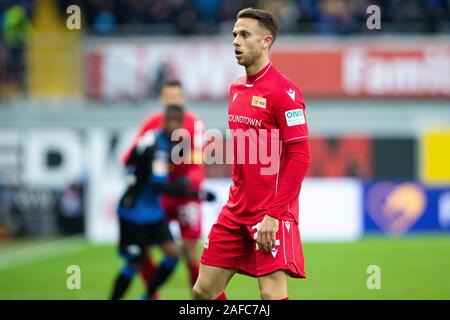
{"points": [[273, 286], [211, 282]]}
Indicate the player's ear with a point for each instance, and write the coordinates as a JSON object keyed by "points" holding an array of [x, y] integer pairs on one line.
{"points": [[267, 41]]}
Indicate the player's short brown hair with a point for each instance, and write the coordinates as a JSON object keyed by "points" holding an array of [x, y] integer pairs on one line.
{"points": [[264, 18]]}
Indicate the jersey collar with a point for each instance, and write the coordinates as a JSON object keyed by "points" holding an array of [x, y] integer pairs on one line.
{"points": [[255, 77]]}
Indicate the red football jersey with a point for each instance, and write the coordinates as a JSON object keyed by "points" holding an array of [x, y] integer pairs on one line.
{"points": [[265, 104], [194, 171]]}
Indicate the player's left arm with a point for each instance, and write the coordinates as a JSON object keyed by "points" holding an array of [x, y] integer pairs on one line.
{"points": [[290, 116]]}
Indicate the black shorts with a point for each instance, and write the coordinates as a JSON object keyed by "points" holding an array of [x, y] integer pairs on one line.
{"points": [[136, 238]]}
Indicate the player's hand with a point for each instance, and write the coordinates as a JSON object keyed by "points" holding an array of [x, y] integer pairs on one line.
{"points": [[267, 231]]}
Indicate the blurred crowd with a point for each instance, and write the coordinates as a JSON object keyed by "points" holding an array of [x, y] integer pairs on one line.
{"points": [[309, 16], [32, 211], [215, 16]]}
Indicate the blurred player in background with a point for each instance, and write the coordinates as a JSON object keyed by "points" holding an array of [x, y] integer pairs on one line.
{"points": [[257, 231], [142, 220], [186, 211]]}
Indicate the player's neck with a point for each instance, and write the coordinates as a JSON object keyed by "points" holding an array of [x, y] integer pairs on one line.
{"points": [[257, 66]]}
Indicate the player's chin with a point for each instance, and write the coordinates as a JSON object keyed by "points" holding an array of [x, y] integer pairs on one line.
{"points": [[240, 60]]}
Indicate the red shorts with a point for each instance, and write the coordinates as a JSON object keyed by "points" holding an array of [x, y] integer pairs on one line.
{"points": [[232, 245], [188, 215]]}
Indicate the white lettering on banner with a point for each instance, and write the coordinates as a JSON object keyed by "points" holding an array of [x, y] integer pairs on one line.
{"points": [[121, 72], [206, 78], [131, 71], [41, 146], [424, 73], [55, 158], [99, 152]]}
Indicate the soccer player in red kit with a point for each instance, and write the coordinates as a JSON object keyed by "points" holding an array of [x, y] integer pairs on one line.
{"points": [[257, 232], [186, 211]]}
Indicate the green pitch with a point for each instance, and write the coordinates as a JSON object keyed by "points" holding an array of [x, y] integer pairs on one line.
{"points": [[411, 268]]}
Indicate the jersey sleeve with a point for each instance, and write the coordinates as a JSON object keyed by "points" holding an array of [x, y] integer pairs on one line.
{"points": [[299, 159], [289, 111]]}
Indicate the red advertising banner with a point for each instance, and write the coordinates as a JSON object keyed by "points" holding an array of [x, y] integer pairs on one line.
{"points": [[325, 69], [381, 70]]}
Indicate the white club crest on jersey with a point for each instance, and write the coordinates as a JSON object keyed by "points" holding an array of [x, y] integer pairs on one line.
{"points": [[288, 225], [234, 96], [291, 93]]}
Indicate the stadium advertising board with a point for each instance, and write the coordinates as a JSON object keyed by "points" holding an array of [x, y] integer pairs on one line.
{"points": [[363, 157], [322, 69]]}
